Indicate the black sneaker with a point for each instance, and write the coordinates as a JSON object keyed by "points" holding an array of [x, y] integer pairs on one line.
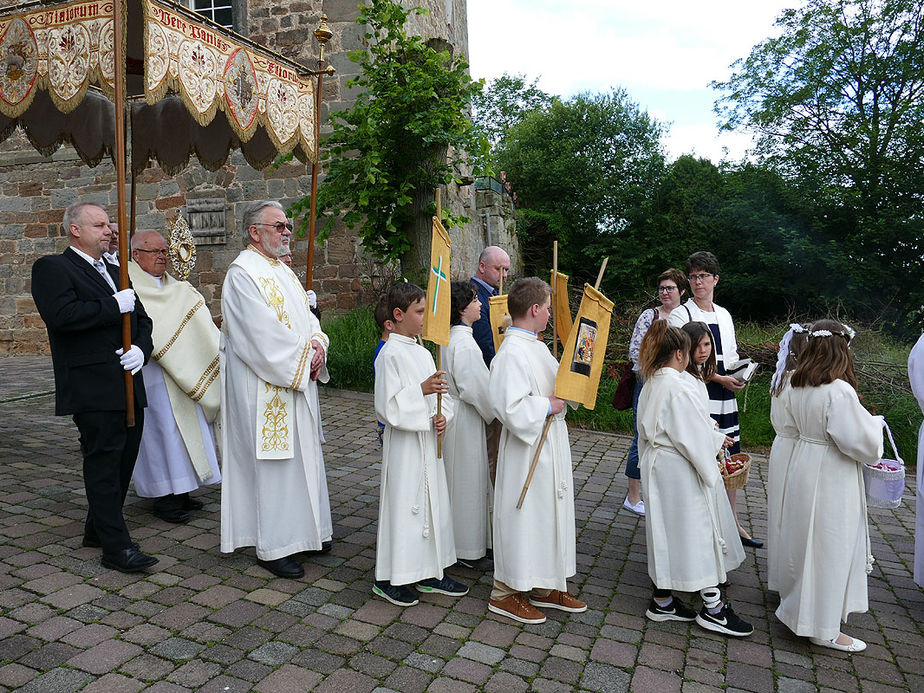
{"points": [[399, 595], [725, 622], [445, 586], [675, 611]]}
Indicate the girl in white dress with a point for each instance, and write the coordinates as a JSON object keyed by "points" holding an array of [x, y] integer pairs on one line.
{"points": [[824, 550], [700, 369], [678, 444], [786, 436]]}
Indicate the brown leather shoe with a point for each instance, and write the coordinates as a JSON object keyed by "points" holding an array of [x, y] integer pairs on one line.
{"points": [[518, 608], [563, 601]]}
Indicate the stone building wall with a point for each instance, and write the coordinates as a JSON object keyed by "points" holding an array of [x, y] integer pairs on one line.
{"points": [[35, 190]]}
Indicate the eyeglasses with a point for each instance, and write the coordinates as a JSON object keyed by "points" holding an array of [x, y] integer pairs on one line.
{"points": [[279, 225], [162, 251], [666, 289], [699, 277]]}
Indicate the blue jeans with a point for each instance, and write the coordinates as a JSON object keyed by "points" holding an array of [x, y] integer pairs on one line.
{"points": [[632, 470]]}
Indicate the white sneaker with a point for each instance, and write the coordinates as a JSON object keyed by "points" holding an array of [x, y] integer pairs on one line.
{"points": [[638, 508]]}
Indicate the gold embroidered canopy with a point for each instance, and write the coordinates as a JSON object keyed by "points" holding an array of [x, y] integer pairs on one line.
{"points": [[57, 79]]}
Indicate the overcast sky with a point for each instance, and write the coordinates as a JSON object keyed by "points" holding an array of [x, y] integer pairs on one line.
{"points": [[663, 52]]}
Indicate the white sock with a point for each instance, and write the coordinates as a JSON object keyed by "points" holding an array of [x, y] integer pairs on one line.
{"points": [[712, 599]]}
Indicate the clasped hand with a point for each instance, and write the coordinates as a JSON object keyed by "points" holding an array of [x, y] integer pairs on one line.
{"points": [[317, 360]]}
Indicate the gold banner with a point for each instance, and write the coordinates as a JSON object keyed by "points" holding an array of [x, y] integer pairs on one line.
{"points": [[561, 307], [63, 49], [499, 317], [213, 71], [439, 303], [582, 361]]}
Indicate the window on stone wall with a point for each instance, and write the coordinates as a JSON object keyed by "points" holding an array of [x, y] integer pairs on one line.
{"points": [[219, 11]]}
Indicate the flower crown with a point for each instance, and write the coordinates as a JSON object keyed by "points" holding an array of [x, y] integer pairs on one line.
{"points": [[847, 333]]}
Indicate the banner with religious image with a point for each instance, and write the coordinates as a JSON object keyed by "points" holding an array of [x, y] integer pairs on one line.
{"points": [[499, 317], [585, 350], [62, 49], [560, 306], [439, 302], [211, 70]]}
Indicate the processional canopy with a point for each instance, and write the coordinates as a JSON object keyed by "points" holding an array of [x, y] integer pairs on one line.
{"points": [[57, 74]]}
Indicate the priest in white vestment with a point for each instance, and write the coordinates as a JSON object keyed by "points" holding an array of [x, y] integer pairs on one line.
{"points": [[916, 376], [177, 453], [272, 353], [824, 554], [534, 546]]}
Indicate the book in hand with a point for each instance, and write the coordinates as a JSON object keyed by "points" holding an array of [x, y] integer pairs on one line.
{"points": [[743, 370]]}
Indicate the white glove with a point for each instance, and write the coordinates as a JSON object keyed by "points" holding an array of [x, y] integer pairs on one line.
{"points": [[312, 298], [126, 300], [133, 360]]}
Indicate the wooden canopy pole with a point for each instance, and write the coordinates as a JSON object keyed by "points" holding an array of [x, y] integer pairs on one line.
{"points": [[322, 34], [119, 47], [548, 421]]}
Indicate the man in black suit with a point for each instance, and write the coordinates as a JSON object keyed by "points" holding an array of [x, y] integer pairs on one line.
{"points": [[78, 298]]}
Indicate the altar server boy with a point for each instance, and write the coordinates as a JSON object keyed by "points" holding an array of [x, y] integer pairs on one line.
{"points": [[415, 540], [534, 546]]}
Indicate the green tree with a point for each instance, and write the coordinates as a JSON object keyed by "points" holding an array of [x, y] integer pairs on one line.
{"points": [[837, 100], [503, 103], [583, 169], [408, 133]]}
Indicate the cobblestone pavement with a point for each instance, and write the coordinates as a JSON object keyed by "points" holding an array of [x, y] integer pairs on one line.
{"points": [[211, 622]]}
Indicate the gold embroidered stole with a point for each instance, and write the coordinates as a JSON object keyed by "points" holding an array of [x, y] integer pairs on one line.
{"points": [[275, 405]]}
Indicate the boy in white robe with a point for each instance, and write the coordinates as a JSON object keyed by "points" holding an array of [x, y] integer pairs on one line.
{"points": [[415, 540], [534, 546], [465, 450]]}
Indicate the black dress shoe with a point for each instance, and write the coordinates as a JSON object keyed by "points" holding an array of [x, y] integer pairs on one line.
{"points": [[190, 503], [326, 546], [174, 515], [127, 560], [285, 567], [93, 543], [751, 543]]}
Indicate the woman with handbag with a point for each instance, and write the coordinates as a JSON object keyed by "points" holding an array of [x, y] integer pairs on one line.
{"points": [[672, 284]]}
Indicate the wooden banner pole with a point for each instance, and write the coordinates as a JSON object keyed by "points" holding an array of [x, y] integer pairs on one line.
{"points": [[548, 421], [532, 466], [439, 351], [555, 300], [602, 270]]}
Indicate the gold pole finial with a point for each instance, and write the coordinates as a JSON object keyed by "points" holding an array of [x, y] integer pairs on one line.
{"points": [[322, 34]]}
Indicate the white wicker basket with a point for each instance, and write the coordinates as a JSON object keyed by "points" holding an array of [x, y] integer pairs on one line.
{"points": [[885, 483]]}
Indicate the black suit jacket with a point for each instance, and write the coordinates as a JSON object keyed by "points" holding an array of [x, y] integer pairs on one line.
{"points": [[85, 330]]}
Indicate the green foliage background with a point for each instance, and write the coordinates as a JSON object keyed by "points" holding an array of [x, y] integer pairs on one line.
{"points": [[355, 335]]}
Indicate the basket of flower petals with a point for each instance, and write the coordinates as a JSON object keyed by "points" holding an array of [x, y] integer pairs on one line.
{"points": [[885, 480], [735, 469]]}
